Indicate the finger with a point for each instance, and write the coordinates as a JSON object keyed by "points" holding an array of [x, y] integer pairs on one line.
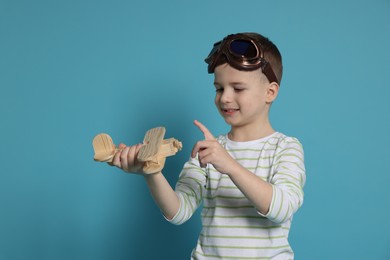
{"points": [[116, 161], [195, 150], [207, 134], [200, 145], [131, 156], [205, 157], [138, 164], [202, 159], [203, 153], [124, 158]]}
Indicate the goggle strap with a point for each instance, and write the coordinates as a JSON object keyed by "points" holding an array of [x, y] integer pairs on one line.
{"points": [[269, 73]]}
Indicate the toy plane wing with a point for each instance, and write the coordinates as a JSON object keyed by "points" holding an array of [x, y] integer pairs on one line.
{"points": [[152, 142], [104, 148]]}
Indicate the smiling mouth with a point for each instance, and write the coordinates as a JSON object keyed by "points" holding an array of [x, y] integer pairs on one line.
{"points": [[229, 111]]}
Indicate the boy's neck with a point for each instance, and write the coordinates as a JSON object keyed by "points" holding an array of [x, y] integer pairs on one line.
{"points": [[250, 133]]}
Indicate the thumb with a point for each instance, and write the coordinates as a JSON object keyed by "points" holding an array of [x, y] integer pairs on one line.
{"points": [[207, 134]]}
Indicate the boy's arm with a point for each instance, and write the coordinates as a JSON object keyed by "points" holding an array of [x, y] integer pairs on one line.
{"points": [[256, 190], [161, 191], [277, 200], [281, 198], [163, 194]]}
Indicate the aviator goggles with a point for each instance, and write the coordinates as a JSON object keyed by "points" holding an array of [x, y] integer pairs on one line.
{"points": [[241, 52]]}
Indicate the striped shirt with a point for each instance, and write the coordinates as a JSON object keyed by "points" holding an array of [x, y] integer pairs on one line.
{"points": [[232, 228]]}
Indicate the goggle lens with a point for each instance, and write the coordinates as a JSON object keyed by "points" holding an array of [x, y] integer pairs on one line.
{"points": [[244, 49]]}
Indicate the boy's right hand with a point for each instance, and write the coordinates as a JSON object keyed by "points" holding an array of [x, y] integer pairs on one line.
{"points": [[126, 158]]}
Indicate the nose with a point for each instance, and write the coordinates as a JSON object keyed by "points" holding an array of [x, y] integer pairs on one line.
{"points": [[226, 96]]}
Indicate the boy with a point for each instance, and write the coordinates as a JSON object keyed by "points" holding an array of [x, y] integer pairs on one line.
{"points": [[249, 180]]}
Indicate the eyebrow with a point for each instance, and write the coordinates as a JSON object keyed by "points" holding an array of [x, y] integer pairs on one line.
{"points": [[229, 83]]}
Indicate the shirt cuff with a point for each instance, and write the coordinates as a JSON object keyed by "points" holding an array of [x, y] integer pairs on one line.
{"points": [[174, 220]]}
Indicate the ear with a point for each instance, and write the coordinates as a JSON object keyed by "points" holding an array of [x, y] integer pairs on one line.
{"points": [[272, 92]]}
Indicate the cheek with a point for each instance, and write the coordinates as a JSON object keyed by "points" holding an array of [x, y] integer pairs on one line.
{"points": [[251, 101], [256, 96]]}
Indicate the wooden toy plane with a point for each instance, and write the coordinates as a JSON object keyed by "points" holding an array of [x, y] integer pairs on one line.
{"points": [[153, 152]]}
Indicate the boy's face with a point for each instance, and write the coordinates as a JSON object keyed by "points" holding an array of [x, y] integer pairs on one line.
{"points": [[242, 97]]}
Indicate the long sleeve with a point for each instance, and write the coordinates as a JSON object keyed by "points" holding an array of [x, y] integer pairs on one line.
{"points": [[190, 189], [288, 178]]}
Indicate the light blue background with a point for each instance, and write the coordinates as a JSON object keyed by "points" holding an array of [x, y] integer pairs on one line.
{"points": [[72, 69]]}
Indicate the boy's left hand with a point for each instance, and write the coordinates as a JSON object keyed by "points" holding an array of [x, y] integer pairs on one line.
{"points": [[210, 151]]}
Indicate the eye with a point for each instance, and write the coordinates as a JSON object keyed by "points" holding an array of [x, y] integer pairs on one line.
{"points": [[218, 89], [238, 87]]}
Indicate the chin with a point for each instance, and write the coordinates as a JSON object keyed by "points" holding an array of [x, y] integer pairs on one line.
{"points": [[231, 122]]}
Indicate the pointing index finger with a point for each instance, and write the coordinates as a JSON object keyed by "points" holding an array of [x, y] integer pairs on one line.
{"points": [[207, 134]]}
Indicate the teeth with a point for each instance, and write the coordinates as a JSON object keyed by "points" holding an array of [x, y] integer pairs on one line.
{"points": [[230, 111]]}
